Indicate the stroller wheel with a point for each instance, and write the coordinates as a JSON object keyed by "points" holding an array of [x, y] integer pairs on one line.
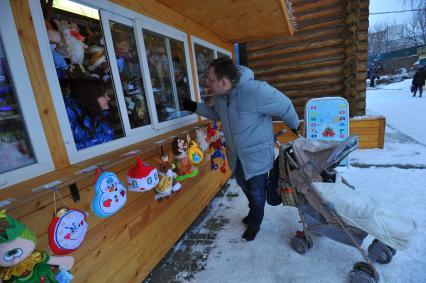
{"points": [[301, 243], [363, 272], [380, 252]]}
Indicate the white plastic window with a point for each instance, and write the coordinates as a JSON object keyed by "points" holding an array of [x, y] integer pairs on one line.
{"points": [[24, 152]]}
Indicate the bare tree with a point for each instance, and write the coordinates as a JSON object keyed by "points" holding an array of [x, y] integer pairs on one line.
{"points": [[384, 37], [416, 25]]}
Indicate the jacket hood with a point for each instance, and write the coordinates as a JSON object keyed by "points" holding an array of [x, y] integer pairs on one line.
{"points": [[245, 75]]}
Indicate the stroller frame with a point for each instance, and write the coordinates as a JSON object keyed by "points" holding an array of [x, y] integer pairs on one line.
{"points": [[297, 173]]}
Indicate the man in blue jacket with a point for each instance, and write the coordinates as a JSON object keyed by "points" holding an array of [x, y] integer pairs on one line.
{"points": [[246, 107]]}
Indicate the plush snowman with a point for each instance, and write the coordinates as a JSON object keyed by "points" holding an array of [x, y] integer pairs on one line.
{"points": [[110, 195]]}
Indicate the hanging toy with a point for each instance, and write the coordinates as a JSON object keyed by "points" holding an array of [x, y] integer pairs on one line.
{"points": [[194, 152], [21, 262], [67, 230], [168, 183], [216, 148], [201, 138], [183, 166], [142, 177], [110, 194]]}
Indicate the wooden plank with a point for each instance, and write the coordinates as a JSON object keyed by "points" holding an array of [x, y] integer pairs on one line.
{"points": [[42, 95], [238, 20]]}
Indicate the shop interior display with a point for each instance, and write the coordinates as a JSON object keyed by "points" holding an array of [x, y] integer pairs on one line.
{"points": [[78, 50], [15, 147]]}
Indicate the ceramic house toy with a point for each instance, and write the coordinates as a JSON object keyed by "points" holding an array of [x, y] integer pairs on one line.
{"points": [[21, 262], [67, 230], [142, 177], [168, 182], [183, 165], [110, 195]]}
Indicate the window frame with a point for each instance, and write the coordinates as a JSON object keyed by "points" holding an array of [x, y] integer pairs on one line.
{"points": [[131, 136], [27, 103], [206, 44]]}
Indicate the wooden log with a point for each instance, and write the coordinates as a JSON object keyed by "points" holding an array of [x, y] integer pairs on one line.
{"points": [[270, 72], [300, 36], [330, 42], [326, 12], [304, 55], [307, 74], [307, 83]]}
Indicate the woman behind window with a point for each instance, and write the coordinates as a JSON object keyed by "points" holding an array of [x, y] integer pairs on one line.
{"points": [[87, 107]]}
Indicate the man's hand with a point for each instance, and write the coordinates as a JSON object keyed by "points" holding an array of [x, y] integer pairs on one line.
{"points": [[189, 105]]}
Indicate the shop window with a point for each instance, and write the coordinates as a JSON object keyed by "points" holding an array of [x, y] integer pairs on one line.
{"points": [[168, 72], [78, 49], [15, 147], [221, 55], [24, 152], [128, 66], [203, 57]]}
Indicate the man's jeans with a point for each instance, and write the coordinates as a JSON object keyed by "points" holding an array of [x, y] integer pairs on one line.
{"points": [[254, 189]]}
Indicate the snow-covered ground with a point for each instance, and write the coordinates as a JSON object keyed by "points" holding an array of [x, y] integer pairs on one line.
{"points": [[395, 176]]}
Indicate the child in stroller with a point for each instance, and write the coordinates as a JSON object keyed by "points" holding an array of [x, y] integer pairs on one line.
{"points": [[330, 207]]}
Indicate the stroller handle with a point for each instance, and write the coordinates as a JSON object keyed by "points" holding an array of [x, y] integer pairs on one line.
{"points": [[282, 132]]}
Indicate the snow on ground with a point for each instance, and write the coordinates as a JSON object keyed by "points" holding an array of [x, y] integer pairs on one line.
{"points": [[397, 181]]}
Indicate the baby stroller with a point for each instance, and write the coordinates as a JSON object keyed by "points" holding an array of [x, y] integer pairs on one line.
{"points": [[330, 207]]}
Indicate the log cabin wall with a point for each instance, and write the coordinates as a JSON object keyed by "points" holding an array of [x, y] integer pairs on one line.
{"points": [[326, 56]]}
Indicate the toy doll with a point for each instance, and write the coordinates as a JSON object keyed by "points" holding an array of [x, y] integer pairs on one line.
{"points": [[184, 168], [21, 262]]}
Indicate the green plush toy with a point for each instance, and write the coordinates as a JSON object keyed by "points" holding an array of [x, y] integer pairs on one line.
{"points": [[21, 262]]}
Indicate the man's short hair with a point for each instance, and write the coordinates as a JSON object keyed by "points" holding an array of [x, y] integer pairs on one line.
{"points": [[224, 67]]}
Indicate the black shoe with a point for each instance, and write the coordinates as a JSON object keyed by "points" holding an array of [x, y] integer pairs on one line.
{"points": [[245, 220], [250, 233]]}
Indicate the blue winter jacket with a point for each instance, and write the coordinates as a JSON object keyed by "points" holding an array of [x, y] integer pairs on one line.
{"points": [[246, 114], [83, 132]]}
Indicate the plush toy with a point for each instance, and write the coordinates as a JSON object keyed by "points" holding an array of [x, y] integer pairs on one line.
{"points": [[74, 42], [142, 178], [98, 57], [67, 230], [201, 138], [194, 152], [55, 40], [216, 148], [110, 194], [168, 182], [183, 165], [21, 262]]}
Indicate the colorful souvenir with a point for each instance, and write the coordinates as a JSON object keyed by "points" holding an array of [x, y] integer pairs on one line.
{"points": [[142, 177], [194, 152], [110, 195], [183, 165], [216, 148], [21, 262], [168, 182], [67, 230], [201, 138]]}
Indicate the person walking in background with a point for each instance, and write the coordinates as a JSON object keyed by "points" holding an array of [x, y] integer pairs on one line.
{"points": [[245, 107], [419, 81]]}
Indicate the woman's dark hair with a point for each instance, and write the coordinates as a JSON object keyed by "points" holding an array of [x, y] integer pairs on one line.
{"points": [[224, 67], [86, 93]]}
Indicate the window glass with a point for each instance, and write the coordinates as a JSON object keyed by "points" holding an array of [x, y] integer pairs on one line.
{"points": [[78, 49], [15, 147], [220, 55], [167, 68], [130, 74], [203, 57]]}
